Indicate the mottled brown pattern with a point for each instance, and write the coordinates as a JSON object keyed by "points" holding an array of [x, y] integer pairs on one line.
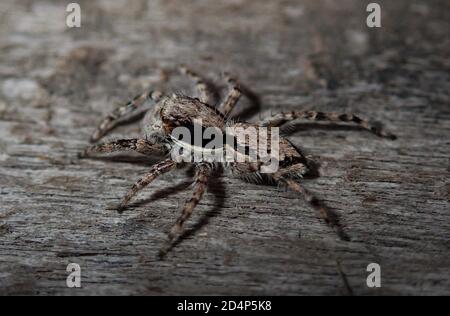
{"points": [[283, 118], [205, 94], [392, 198]]}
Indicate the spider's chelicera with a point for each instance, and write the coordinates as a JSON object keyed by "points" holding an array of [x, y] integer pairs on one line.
{"points": [[188, 131]]}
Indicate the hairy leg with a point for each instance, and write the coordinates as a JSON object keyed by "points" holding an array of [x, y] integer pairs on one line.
{"points": [[156, 170], [232, 98], [202, 175], [204, 90], [201, 181], [127, 111], [282, 118], [138, 145]]}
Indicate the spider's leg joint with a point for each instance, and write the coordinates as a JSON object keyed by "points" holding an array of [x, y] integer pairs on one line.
{"points": [[121, 208], [82, 154]]}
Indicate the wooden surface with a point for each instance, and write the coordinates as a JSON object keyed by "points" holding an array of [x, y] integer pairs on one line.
{"points": [[392, 197]]}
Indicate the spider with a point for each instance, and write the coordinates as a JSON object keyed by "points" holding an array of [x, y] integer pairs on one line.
{"points": [[165, 113]]}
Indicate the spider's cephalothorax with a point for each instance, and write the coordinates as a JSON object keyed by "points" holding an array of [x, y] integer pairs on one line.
{"points": [[167, 113]]}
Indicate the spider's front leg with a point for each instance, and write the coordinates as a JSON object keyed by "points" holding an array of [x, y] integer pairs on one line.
{"points": [[138, 145], [282, 118], [232, 98], [156, 170], [202, 174], [284, 176], [122, 113], [328, 216]]}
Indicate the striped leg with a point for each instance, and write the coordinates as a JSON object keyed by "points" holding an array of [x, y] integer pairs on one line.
{"points": [[329, 217], [138, 145], [157, 170], [201, 181], [282, 118], [204, 90], [124, 112], [232, 98]]}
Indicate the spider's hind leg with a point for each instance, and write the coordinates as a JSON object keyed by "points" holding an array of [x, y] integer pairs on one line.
{"points": [[201, 181], [128, 111], [282, 118]]}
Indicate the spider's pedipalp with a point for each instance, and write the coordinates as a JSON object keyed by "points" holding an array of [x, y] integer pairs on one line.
{"points": [[127, 111], [156, 170], [282, 118]]}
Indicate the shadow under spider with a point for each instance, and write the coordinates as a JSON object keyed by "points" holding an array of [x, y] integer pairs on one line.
{"points": [[333, 217]]}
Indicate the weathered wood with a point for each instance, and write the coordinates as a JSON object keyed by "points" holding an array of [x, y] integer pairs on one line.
{"points": [[392, 197]]}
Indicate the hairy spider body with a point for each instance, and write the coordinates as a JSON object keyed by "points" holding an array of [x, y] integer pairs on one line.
{"points": [[166, 113]]}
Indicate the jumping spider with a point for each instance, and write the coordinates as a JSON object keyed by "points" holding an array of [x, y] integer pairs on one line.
{"points": [[164, 113]]}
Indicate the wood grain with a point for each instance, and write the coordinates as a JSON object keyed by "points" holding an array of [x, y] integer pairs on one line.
{"points": [[392, 197]]}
